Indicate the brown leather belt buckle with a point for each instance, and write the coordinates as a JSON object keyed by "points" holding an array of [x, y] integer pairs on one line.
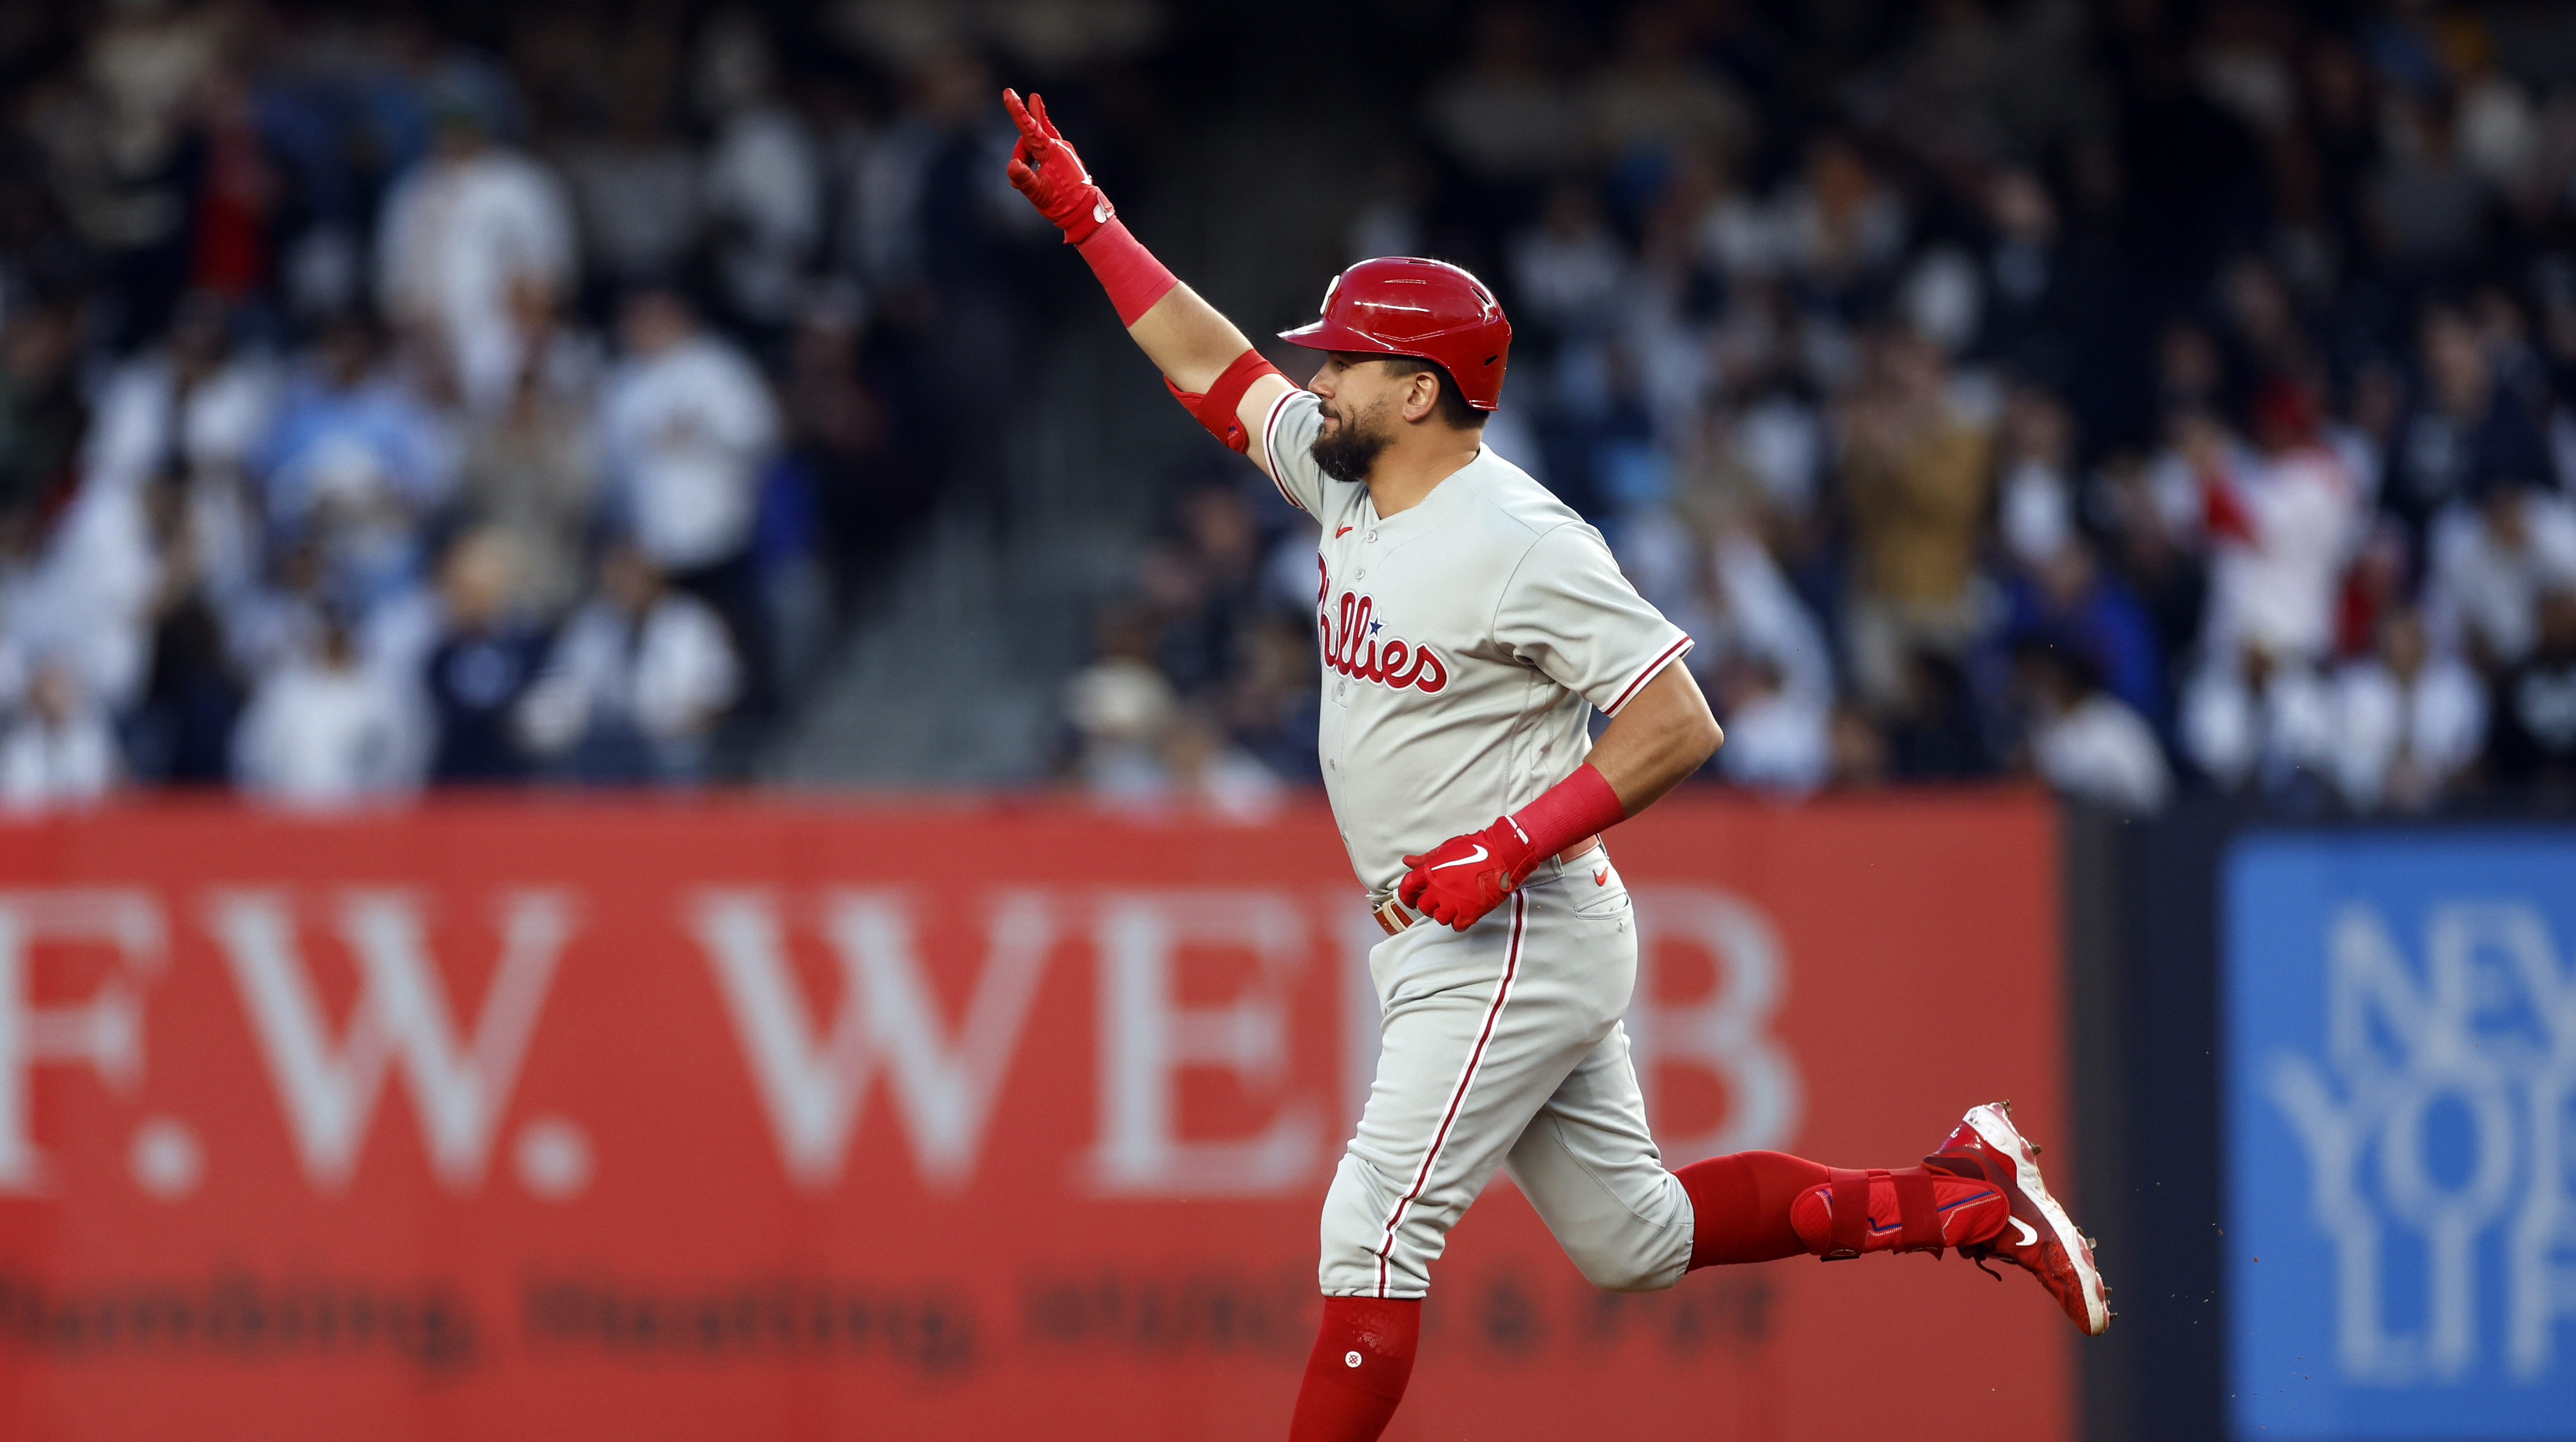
{"points": [[1393, 916]]}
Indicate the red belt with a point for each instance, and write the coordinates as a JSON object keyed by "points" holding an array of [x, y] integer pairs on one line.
{"points": [[1394, 916]]}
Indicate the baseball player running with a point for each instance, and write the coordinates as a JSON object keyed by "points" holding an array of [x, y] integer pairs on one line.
{"points": [[1469, 624]]}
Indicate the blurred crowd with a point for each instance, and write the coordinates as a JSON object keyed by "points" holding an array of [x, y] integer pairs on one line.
{"points": [[379, 410], [2146, 396], [2149, 397]]}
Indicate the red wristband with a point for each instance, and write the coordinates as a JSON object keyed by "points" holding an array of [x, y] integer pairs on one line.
{"points": [[1574, 808], [1127, 270]]}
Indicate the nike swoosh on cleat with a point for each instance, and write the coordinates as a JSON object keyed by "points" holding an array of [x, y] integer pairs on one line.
{"points": [[2029, 1236], [1481, 854]]}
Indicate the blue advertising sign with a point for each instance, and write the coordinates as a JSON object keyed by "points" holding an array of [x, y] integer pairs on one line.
{"points": [[2401, 1116]]}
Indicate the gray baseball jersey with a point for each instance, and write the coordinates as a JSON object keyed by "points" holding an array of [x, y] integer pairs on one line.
{"points": [[1465, 643]]}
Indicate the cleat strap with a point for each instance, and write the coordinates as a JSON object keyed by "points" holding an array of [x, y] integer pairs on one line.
{"points": [[1849, 1192], [1918, 1210]]}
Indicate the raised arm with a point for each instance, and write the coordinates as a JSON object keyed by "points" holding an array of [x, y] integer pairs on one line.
{"points": [[1211, 368]]}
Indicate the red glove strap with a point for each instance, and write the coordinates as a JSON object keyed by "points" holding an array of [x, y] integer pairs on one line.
{"points": [[1574, 808], [1127, 270], [1217, 409]]}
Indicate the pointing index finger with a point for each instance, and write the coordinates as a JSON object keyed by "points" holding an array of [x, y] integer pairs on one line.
{"points": [[1020, 116]]}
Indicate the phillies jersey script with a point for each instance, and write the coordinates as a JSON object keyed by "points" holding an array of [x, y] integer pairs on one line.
{"points": [[1465, 642]]}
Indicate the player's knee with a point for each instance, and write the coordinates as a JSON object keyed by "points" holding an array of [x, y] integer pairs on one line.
{"points": [[1627, 1273], [1631, 1259]]}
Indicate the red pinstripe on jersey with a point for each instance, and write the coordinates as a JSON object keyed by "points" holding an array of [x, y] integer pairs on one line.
{"points": [[1458, 1096], [1648, 674]]}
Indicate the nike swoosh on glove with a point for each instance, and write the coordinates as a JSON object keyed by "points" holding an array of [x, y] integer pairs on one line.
{"points": [[1464, 877], [1046, 170]]}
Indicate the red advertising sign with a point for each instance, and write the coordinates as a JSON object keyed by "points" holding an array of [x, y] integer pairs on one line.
{"points": [[742, 1119]]}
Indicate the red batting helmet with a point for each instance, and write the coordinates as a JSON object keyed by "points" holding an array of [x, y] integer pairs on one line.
{"points": [[1428, 309]]}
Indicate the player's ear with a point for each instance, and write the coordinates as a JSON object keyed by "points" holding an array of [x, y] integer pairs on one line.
{"points": [[1421, 395]]}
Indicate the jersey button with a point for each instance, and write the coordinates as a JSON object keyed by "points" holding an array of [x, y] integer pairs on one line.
{"points": [[1372, 537], [1360, 575]]}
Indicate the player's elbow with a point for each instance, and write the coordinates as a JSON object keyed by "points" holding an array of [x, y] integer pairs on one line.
{"points": [[1704, 739]]}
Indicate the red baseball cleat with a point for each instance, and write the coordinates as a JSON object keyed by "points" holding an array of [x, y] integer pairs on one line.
{"points": [[2038, 1236]]}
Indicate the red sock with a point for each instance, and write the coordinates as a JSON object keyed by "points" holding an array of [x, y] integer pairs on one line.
{"points": [[1363, 1356], [1740, 1205]]}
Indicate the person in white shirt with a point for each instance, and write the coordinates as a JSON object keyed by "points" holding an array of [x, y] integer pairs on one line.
{"points": [[197, 401], [2086, 742], [2282, 527], [636, 682], [326, 731], [463, 234], [763, 183], [2407, 720], [686, 422], [2492, 556], [85, 595], [2251, 717], [1777, 736], [59, 752]]}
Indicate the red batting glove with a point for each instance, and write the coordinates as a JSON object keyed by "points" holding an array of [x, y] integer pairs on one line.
{"points": [[1466, 876], [1045, 169]]}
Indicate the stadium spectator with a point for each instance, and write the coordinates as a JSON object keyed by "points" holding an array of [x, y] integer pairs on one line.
{"points": [[1120, 706], [471, 227], [686, 421], [637, 187], [1776, 738], [2084, 741], [58, 752], [1915, 474], [763, 181], [355, 462], [483, 663], [2494, 553], [2408, 720], [635, 683], [532, 470], [43, 415], [2253, 721], [2466, 429], [2531, 746], [324, 730], [1507, 116]]}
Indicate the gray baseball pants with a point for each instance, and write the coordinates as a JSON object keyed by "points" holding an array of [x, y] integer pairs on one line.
{"points": [[1502, 1046]]}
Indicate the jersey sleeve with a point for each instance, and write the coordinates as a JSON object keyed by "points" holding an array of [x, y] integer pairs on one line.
{"points": [[1287, 432], [1569, 612]]}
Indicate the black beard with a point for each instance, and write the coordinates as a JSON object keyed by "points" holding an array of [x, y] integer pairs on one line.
{"points": [[1348, 451]]}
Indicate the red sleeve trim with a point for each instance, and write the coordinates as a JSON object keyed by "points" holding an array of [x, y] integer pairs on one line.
{"points": [[1270, 453], [1658, 664]]}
